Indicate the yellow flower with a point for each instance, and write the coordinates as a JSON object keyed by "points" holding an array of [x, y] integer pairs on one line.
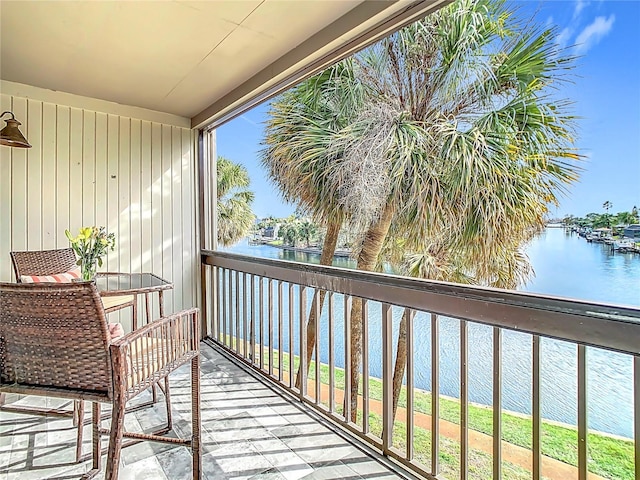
{"points": [[85, 233]]}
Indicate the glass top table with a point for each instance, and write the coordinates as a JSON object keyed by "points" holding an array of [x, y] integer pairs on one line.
{"points": [[117, 284], [130, 283]]}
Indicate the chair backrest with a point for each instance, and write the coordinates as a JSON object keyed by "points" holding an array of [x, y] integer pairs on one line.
{"points": [[54, 338], [43, 262]]}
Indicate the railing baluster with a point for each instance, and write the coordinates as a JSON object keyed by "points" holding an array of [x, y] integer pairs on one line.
{"points": [[317, 346], [409, 315], [365, 366], [535, 410], [582, 413], [435, 395], [261, 317], [225, 306], [270, 319], [209, 284], [464, 400], [303, 342], [497, 403], [218, 325], [347, 359], [332, 367], [387, 377], [252, 328], [237, 315], [636, 412], [280, 317], [291, 372], [231, 312], [245, 338]]}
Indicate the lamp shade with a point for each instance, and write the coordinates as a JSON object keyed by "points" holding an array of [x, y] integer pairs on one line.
{"points": [[10, 135]]}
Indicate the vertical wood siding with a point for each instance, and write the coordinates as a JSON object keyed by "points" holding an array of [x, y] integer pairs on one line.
{"points": [[136, 177]]}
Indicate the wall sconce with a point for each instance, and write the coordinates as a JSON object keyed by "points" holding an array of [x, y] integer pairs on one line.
{"points": [[10, 135]]}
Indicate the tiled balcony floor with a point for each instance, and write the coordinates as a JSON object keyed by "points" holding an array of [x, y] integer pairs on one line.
{"points": [[249, 432]]}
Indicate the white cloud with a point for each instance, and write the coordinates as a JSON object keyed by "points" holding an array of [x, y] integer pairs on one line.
{"points": [[580, 5], [593, 33], [564, 36]]}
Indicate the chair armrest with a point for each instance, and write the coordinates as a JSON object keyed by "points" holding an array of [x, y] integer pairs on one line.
{"points": [[144, 356]]}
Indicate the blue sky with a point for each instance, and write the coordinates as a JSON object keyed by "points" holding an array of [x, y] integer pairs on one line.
{"points": [[606, 91]]}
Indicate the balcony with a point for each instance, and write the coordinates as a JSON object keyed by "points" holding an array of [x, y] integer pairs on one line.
{"points": [[259, 423], [133, 149]]}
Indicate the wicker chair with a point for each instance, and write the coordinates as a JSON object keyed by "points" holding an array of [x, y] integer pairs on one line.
{"points": [[54, 342], [50, 262]]}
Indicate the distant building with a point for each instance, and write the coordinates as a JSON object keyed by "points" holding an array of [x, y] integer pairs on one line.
{"points": [[632, 231], [271, 232]]}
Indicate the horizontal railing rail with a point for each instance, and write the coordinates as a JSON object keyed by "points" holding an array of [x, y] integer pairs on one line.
{"points": [[259, 309], [614, 327]]}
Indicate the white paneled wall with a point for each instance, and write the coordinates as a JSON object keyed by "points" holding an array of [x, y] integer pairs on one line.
{"points": [[98, 166]]}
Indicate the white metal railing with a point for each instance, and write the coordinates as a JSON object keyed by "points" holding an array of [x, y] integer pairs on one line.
{"points": [[258, 309]]}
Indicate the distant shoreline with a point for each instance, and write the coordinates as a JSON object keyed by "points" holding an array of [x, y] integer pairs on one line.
{"points": [[341, 253]]}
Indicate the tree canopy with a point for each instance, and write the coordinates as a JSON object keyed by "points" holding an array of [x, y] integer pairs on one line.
{"points": [[444, 144], [235, 217]]}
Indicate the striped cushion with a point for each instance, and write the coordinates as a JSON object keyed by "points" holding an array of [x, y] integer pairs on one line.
{"points": [[64, 277], [115, 330]]}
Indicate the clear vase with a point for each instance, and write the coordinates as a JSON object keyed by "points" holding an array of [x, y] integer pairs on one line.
{"points": [[88, 270]]}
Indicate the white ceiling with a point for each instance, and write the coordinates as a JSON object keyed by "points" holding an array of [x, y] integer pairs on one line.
{"points": [[177, 57]]}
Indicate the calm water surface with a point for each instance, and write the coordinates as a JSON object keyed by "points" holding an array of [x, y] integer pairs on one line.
{"points": [[566, 266]]}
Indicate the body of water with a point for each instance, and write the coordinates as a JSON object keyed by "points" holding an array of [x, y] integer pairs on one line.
{"points": [[566, 266]]}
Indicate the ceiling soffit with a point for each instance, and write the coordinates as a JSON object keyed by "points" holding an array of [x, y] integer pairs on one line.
{"points": [[362, 26], [204, 60], [172, 56]]}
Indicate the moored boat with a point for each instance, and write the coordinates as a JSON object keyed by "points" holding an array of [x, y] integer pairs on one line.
{"points": [[624, 245]]}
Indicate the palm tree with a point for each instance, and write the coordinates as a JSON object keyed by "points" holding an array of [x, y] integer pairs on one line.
{"points": [[455, 143], [307, 230], [296, 156], [235, 217], [288, 234], [462, 142], [607, 219]]}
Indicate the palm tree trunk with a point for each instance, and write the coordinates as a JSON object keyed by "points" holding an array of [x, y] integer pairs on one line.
{"points": [[328, 251], [371, 246], [401, 361]]}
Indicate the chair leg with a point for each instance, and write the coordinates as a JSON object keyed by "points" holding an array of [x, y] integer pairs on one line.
{"points": [[167, 400], [97, 444], [196, 445], [79, 418], [115, 440], [96, 436], [76, 410]]}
